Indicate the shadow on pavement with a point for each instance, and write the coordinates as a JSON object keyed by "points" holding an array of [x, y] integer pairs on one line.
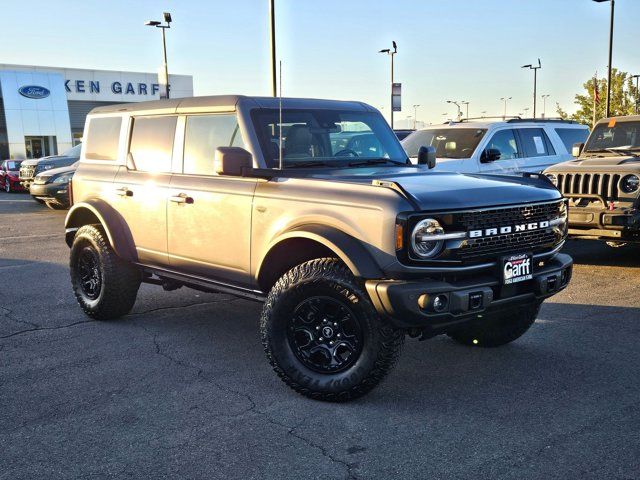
{"points": [[595, 252]]}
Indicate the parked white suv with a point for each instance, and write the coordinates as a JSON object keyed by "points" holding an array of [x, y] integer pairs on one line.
{"points": [[505, 146]]}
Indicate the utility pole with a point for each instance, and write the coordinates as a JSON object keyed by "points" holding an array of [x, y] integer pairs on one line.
{"points": [[391, 53], [535, 82], [415, 116], [272, 22]]}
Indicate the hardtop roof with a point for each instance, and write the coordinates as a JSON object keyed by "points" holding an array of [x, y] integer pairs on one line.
{"points": [[215, 103]]}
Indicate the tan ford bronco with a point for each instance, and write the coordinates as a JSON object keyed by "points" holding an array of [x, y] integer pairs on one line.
{"points": [[313, 208]]}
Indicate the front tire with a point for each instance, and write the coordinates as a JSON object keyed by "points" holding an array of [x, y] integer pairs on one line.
{"points": [[104, 285], [498, 329], [7, 185], [322, 335]]}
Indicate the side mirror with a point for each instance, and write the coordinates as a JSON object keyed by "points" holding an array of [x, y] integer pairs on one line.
{"points": [[490, 155], [232, 161], [577, 149], [427, 156]]}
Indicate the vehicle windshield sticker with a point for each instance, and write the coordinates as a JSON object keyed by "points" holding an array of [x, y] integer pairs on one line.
{"points": [[612, 123], [539, 144]]}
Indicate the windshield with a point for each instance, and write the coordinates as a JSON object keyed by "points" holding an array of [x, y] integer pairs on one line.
{"points": [[614, 135], [13, 165], [326, 137], [449, 142], [73, 151]]}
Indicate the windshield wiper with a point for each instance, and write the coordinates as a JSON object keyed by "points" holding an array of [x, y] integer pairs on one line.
{"points": [[310, 165], [375, 161]]}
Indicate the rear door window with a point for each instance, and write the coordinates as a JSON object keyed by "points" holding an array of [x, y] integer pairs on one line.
{"points": [[569, 136], [103, 138], [203, 135], [151, 144], [535, 142]]}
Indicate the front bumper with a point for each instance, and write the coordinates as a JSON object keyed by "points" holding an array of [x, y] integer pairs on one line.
{"points": [[409, 303], [57, 193], [620, 224]]}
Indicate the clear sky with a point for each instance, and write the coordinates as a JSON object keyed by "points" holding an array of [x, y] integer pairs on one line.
{"points": [[447, 49]]}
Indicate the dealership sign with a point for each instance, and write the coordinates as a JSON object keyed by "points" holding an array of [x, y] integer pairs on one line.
{"points": [[34, 91], [128, 88]]}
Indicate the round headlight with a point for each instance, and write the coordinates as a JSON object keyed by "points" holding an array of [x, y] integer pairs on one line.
{"points": [[552, 178], [424, 246], [630, 183]]}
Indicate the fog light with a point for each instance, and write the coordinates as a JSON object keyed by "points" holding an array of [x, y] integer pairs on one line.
{"points": [[475, 300], [440, 303], [423, 301]]}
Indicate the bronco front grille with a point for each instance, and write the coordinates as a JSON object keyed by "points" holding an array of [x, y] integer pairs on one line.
{"points": [[27, 172], [603, 185], [535, 241]]}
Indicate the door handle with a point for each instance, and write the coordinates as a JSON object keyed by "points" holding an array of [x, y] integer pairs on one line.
{"points": [[124, 192], [182, 198]]}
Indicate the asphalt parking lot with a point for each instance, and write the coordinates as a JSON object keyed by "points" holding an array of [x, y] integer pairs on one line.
{"points": [[181, 388]]}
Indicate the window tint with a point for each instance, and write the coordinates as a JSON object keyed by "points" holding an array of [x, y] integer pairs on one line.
{"points": [[205, 133], [448, 142], [505, 142], [535, 142], [152, 143], [569, 136], [103, 138]]}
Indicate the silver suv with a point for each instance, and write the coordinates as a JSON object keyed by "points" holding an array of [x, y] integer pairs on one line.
{"points": [[313, 208]]}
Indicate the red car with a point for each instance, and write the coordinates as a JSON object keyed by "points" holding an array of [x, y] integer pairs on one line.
{"points": [[9, 176]]}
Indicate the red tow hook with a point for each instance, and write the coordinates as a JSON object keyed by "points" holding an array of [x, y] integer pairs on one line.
{"points": [[612, 206]]}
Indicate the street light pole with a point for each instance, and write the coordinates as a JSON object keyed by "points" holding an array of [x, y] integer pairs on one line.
{"points": [[467, 109], [391, 53], [613, 5], [458, 106], [535, 83], [637, 93], [155, 23], [505, 100], [415, 116], [544, 104], [272, 39]]}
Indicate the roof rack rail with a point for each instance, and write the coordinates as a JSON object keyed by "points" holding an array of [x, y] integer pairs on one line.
{"points": [[541, 120], [500, 117]]}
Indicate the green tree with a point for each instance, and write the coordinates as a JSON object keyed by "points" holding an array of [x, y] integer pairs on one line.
{"points": [[623, 98]]}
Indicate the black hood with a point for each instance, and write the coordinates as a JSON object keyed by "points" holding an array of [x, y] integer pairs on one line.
{"points": [[429, 190]]}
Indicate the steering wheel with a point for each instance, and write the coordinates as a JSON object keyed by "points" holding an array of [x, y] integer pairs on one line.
{"points": [[345, 152]]}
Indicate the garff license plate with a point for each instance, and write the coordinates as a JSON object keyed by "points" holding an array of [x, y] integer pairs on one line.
{"points": [[517, 268]]}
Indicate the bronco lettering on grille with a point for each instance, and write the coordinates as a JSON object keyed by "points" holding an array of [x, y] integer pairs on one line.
{"points": [[489, 232]]}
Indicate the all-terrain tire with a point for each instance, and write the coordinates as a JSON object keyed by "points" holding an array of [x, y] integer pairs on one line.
{"points": [[112, 285], [331, 280], [498, 329]]}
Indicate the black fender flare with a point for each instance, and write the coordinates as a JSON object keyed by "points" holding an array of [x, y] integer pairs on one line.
{"points": [[346, 247], [97, 211]]}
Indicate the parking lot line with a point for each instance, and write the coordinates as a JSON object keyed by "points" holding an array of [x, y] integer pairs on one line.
{"points": [[13, 201]]}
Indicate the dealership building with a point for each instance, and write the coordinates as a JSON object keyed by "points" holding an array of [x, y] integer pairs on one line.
{"points": [[43, 109]]}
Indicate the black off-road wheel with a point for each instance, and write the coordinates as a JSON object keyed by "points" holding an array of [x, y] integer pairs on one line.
{"points": [[498, 329], [322, 335], [104, 285]]}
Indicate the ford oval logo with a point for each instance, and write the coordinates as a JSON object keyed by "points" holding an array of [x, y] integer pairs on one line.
{"points": [[34, 91]]}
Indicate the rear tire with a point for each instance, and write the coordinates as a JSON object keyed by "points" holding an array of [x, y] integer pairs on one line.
{"points": [[322, 335], [7, 185], [104, 285], [499, 329]]}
